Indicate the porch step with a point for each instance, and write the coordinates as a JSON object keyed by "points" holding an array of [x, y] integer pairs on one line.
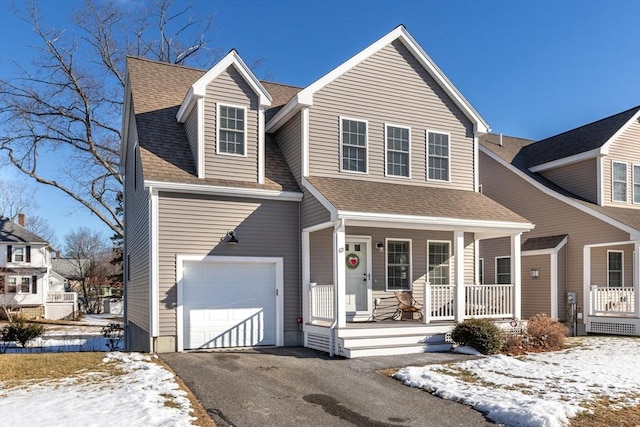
{"points": [[397, 343], [390, 350], [395, 339]]}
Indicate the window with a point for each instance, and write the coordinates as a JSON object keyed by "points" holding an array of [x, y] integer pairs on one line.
{"points": [[614, 269], [12, 284], [18, 253], [619, 180], [438, 156], [398, 265], [503, 270], [231, 130], [2, 284], [22, 285], [397, 151], [636, 183], [481, 271], [354, 145], [439, 263]]}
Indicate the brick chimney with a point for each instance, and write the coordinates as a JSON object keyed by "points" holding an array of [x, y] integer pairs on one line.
{"points": [[57, 255], [21, 219]]}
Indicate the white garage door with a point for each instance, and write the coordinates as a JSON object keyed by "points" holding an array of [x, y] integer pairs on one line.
{"points": [[228, 304]]}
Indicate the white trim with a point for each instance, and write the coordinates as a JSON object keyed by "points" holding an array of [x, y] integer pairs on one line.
{"points": [[279, 281], [458, 273], [386, 263], [367, 240], [600, 180], [201, 140], [495, 271], [516, 271], [633, 183], [619, 243], [255, 193], [305, 252], [261, 148], [548, 251], [480, 272], [427, 132], [154, 266], [476, 165], [571, 202], [199, 88], [305, 97], [126, 111], [319, 227], [586, 281], [626, 182], [366, 144], [304, 117], [244, 131], [623, 128], [333, 212], [386, 150], [339, 277], [565, 161], [553, 261], [621, 265]]}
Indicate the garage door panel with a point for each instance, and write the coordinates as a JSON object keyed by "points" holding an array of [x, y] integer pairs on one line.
{"points": [[228, 304]]}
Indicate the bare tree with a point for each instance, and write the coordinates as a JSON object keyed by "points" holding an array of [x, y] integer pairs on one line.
{"points": [[68, 103], [15, 198]]}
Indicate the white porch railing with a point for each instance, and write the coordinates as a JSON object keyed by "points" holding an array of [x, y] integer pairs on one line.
{"points": [[321, 302], [439, 302], [605, 300], [494, 301], [54, 297]]}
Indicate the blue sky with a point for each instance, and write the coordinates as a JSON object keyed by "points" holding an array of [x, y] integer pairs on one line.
{"points": [[531, 68]]}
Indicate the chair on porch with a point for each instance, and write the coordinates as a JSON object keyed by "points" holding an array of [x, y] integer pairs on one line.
{"points": [[407, 306]]}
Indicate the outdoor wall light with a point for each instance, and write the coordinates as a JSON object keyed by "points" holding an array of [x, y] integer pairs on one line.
{"points": [[231, 237], [535, 273], [380, 246]]}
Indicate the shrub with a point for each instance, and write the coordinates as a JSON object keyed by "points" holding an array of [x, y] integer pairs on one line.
{"points": [[481, 334], [113, 332], [546, 333], [21, 331]]}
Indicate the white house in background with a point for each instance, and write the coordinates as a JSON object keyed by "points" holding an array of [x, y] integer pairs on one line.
{"points": [[28, 286]]}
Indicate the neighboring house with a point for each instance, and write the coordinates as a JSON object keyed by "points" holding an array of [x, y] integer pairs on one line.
{"points": [[581, 188], [27, 284], [263, 214]]}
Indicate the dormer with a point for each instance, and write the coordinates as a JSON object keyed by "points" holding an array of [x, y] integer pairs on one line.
{"points": [[223, 115]]}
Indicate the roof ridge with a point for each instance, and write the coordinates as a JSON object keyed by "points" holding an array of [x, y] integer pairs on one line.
{"points": [[169, 64], [281, 84]]}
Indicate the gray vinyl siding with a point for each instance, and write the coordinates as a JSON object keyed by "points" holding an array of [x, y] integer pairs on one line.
{"points": [[580, 178], [312, 212], [536, 293], [321, 255], [197, 225], [289, 138], [229, 88], [550, 216], [562, 284], [390, 87], [136, 219], [625, 149], [191, 127], [599, 265]]}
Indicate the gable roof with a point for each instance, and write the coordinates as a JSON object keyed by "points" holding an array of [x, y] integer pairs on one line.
{"points": [[590, 137], [541, 243], [157, 92], [305, 97], [10, 232]]}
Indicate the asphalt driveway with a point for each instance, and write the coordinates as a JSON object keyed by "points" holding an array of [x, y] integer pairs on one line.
{"points": [[291, 386]]}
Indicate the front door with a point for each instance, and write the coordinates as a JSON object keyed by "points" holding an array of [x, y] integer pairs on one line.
{"points": [[358, 279]]}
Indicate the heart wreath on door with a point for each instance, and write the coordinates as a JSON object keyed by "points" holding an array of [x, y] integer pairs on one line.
{"points": [[353, 261]]}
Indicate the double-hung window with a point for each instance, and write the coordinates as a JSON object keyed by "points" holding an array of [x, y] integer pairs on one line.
{"points": [[619, 181], [21, 285], [503, 270], [231, 130], [636, 183], [439, 263], [398, 147], [18, 254], [398, 265], [614, 269], [353, 134], [438, 155]]}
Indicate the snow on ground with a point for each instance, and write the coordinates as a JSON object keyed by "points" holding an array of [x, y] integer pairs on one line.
{"points": [[137, 398], [544, 389]]}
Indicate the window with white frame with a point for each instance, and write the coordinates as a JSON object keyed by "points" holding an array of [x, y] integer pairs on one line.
{"points": [[21, 285], [398, 147], [614, 269], [398, 265], [636, 183], [439, 256], [503, 270], [619, 181], [481, 271], [231, 130], [438, 156], [353, 134], [18, 254]]}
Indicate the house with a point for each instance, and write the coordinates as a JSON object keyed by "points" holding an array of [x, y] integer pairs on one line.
{"points": [[28, 286], [582, 190], [263, 214]]}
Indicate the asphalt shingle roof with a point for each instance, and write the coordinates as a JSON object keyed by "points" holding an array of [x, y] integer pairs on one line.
{"points": [[10, 232], [546, 242]]}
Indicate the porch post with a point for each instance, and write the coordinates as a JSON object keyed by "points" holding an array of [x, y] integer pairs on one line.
{"points": [[458, 263], [586, 282], [339, 272], [306, 279], [516, 277], [636, 278]]}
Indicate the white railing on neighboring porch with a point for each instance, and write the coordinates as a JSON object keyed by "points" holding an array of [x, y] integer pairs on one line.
{"points": [[321, 302], [605, 300], [53, 297]]}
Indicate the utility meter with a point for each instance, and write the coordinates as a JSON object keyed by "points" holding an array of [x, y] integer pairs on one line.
{"points": [[572, 297]]}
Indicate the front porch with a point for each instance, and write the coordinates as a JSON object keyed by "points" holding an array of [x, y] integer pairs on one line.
{"points": [[613, 310]]}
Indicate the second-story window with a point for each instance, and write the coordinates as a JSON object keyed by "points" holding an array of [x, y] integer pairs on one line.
{"points": [[354, 145], [619, 181], [636, 183], [438, 156], [18, 254], [397, 151], [231, 130]]}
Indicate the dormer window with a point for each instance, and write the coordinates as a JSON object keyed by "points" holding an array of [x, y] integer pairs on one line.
{"points": [[231, 130], [619, 181]]}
